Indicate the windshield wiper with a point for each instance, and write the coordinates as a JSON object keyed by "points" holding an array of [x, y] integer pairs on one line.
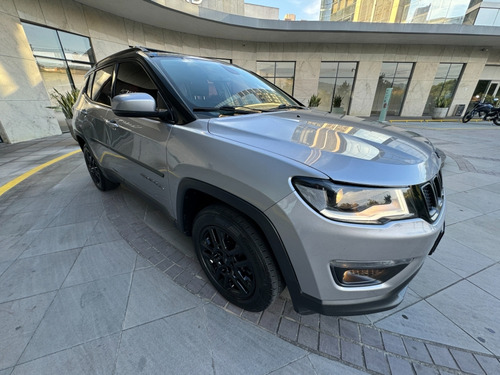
{"points": [[228, 110], [287, 106]]}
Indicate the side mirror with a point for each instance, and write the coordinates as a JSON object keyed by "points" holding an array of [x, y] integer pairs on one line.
{"points": [[136, 104]]}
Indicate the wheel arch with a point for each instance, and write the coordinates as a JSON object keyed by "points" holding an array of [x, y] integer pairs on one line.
{"points": [[194, 195]]}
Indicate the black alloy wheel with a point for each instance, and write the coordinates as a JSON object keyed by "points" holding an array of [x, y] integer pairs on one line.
{"points": [[100, 181], [235, 258]]}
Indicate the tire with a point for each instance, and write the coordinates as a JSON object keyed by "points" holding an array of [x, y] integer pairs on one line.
{"points": [[496, 120], [467, 117], [236, 258], [100, 181]]}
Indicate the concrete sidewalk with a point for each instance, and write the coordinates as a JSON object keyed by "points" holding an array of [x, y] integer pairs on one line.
{"points": [[94, 282]]}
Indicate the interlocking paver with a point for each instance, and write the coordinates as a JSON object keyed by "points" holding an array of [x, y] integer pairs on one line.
{"points": [[352, 353], [329, 345], [288, 329], [371, 336], [376, 360], [399, 366], [417, 350], [308, 337], [467, 362], [349, 329], [441, 356]]}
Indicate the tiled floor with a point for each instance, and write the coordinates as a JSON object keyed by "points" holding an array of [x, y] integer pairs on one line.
{"points": [[94, 282]]}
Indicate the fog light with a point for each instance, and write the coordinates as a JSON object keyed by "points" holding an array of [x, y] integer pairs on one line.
{"points": [[364, 274]]}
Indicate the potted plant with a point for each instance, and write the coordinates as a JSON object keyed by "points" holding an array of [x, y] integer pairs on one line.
{"points": [[66, 102], [314, 101], [441, 107], [337, 102]]}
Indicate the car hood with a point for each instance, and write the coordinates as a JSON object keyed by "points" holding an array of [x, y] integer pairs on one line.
{"points": [[345, 151]]}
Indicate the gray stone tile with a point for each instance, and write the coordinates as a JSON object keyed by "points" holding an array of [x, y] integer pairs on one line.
{"points": [[460, 259], [410, 299], [349, 330], [456, 213], [94, 357], [168, 346], [323, 366], [480, 200], [153, 296], [471, 309], [23, 222], [13, 246], [35, 275], [432, 277], [425, 322], [60, 238], [102, 261], [271, 351], [18, 321], [78, 213], [104, 231], [80, 314], [480, 234], [484, 279]]}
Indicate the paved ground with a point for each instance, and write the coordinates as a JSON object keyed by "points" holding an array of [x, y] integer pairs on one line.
{"points": [[101, 283]]}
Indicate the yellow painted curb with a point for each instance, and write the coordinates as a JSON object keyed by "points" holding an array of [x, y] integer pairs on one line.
{"points": [[9, 185]]}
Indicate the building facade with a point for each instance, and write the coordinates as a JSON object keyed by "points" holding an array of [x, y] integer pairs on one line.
{"points": [[470, 12], [47, 45]]}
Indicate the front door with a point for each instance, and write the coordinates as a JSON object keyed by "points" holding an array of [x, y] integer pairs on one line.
{"points": [[141, 143]]}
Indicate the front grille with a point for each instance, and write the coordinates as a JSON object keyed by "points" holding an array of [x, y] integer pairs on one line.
{"points": [[433, 194]]}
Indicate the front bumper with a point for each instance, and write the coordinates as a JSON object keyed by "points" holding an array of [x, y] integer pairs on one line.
{"points": [[313, 242]]}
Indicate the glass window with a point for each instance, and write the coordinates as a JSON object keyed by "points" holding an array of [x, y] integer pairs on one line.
{"points": [[336, 79], [395, 75], [76, 48], [101, 87], [486, 17], [444, 85], [43, 41], [63, 58], [281, 73], [132, 77]]}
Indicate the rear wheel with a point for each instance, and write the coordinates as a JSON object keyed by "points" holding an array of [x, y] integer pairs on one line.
{"points": [[100, 181], [496, 120], [235, 258], [467, 117]]}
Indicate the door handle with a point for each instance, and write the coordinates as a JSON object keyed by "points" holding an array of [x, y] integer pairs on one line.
{"points": [[112, 123]]}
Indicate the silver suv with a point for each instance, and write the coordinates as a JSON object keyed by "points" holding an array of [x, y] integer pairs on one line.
{"points": [[273, 194]]}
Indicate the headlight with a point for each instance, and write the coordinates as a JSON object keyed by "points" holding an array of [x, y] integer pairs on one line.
{"points": [[355, 204]]}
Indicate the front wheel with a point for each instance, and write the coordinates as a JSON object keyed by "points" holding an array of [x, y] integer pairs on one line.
{"points": [[496, 120], [467, 117], [236, 258]]}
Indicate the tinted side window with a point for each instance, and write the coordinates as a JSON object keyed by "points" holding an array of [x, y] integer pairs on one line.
{"points": [[101, 87], [132, 77]]}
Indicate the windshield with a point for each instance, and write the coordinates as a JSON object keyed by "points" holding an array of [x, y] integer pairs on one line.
{"points": [[214, 88]]}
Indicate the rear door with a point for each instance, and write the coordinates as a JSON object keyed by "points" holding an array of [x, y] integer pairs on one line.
{"points": [[94, 111]]}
